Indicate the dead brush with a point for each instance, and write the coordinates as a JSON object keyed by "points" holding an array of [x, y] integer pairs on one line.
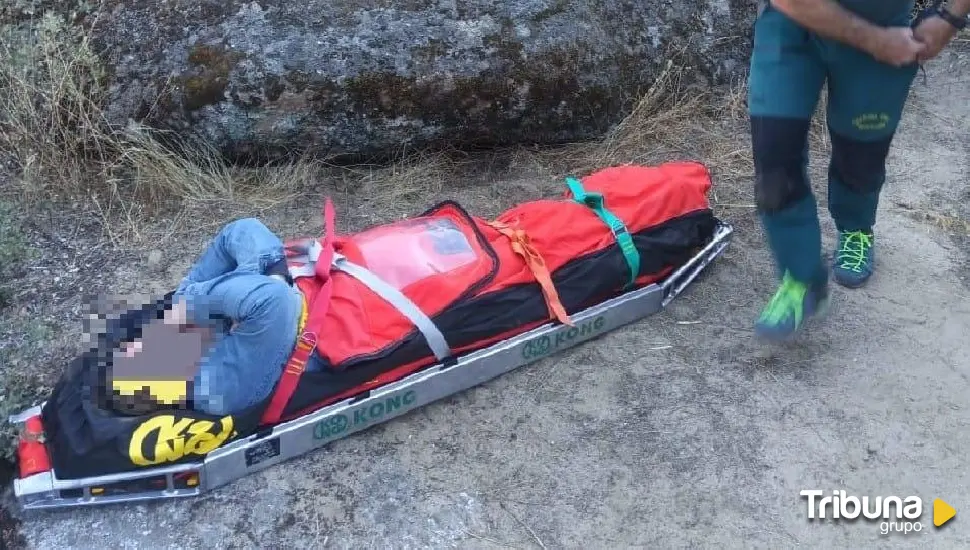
{"points": [[55, 133], [657, 124], [671, 120], [55, 130], [654, 126], [51, 124], [157, 166], [394, 188]]}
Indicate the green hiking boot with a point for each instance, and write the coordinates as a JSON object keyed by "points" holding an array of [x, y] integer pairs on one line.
{"points": [[853, 262], [793, 303]]}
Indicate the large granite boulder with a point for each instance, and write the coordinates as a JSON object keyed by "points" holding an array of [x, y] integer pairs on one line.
{"points": [[337, 77]]}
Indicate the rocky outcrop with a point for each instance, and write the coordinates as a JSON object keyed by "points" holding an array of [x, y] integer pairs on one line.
{"points": [[367, 76]]}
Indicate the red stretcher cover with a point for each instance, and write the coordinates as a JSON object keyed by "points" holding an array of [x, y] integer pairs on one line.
{"points": [[475, 281]]}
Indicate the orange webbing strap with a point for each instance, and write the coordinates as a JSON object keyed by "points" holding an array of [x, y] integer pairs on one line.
{"points": [[522, 246], [307, 340]]}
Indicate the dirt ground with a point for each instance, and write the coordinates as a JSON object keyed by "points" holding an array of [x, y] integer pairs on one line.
{"points": [[705, 442]]}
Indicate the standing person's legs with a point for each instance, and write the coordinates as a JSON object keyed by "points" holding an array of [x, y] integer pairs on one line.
{"points": [[866, 102], [786, 78]]}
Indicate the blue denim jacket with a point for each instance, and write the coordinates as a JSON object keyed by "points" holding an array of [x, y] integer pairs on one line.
{"points": [[229, 283]]}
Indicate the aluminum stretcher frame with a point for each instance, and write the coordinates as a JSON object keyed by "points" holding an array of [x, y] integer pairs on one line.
{"points": [[300, 436]]}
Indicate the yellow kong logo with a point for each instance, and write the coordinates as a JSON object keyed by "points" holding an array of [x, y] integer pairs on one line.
{"points": [[174, 440]]}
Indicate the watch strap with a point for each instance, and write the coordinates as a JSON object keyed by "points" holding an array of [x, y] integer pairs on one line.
{"points": [[958, 22]]}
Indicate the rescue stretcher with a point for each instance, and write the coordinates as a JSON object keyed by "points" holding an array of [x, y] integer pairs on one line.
{"points": [[211, 452]]}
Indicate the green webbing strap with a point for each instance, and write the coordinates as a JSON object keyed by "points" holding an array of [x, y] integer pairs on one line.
{"points": [[623, 238]]}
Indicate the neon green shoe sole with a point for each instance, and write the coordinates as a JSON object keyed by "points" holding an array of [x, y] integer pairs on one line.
{"points": [[793, 304]]}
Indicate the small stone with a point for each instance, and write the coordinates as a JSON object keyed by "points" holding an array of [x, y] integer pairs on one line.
{"points": [[154, 258]]}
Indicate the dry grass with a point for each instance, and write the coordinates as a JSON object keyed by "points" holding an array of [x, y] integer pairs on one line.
{"points": [[954, 224], [56, 137], [52, 94], [51, 88], [407, 180], [675, 120], [55, 131], [672, 120]]}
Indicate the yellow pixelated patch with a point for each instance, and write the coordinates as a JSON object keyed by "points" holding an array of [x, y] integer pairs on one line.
{"points": [[167, 392]]}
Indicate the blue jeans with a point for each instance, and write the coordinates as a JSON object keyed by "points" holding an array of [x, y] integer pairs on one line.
{"points": [[228, 284]]}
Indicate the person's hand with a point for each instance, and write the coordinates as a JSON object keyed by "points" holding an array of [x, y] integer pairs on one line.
{"points": [[935, 33], [897, 46]]}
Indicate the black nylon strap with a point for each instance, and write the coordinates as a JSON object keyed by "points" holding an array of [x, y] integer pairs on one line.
{"points": [[938, 10], [958, 22], [280, 268]]}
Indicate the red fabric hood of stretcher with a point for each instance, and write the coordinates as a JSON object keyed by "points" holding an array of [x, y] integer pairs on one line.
{"points": [[446, 255]]}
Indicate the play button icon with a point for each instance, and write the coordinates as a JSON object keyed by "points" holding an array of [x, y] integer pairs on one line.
{"points": [[942, 512]]}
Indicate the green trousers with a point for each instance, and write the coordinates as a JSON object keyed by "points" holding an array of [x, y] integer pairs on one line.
{"points": [[789, 67]]}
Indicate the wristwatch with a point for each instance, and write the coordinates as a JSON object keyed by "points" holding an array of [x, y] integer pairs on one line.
{"points": [[959, 22]]}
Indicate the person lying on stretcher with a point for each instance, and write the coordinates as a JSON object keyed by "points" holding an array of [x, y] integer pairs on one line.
{"points": [[223, 343]]}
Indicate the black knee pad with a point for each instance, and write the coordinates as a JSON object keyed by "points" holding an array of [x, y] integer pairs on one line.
{"points": [[859, 165], [779, 146]]}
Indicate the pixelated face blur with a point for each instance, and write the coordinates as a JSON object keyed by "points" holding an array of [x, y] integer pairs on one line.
{"points": [[164, 352]]}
